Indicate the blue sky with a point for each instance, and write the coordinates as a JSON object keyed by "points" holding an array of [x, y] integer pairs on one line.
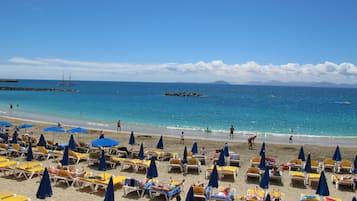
{"points": [[238, 41]]}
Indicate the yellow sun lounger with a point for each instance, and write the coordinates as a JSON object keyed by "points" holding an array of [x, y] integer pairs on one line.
{"points": [[343, 181], [223, 170], [76, 156], [117, 180], [17, 198], [304, 197], [312, 179], [5, 195], [328, 198], [254, 194], [2, 159], [297, 177]]}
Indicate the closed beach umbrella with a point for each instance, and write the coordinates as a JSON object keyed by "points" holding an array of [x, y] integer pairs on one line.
{"points": [[29, 155], [213, 179], [109, 194], [132, 138], [267, 197], [354, 198], [14, 138], [337, 154], [262, 149], [72, 143], [141, 152], [308, 164], [104, 142], [262, 162], [264, 182], [65, 158], [221, 161], [301, 154], [355, 165], [184, 159], [5, 124], [152, 171], [189, 195], [77, 130], [160, 144], [45, 189], [25, 126], [102, 163], [194, 149], [322, 188], [226, 150], [42, 141]]}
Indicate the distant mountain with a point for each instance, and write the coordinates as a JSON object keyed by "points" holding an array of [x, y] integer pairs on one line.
{"points": [[221, 82], [302, 84]]}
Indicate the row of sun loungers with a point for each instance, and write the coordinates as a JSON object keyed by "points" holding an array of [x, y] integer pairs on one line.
{"points": [[328, 164]]}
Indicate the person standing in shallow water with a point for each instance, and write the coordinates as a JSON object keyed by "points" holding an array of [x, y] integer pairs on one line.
{"points": [[182, 141], [231, 132], [118, 125]]}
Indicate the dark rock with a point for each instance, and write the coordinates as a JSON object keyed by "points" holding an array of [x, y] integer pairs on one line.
{"points": [[184, 94]]}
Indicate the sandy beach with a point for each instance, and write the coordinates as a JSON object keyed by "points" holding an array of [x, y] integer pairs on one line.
{"points": [[282, 152]]}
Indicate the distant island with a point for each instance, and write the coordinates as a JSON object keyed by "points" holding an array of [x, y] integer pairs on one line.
{"points": [[184, 94], [8, 80], [221, 82]]}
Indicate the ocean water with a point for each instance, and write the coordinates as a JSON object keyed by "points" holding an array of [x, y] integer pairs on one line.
{"points": [[262, 110]]}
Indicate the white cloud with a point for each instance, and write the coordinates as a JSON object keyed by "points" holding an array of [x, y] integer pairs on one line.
{"points": [[53, 68]]}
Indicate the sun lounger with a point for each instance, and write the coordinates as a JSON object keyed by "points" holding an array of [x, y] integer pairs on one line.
{"points": [[297, 177], [223, 171], [295, 164], [16, 150], [328, 198], [76, 156], [275, 175], [168, 195], [345, 165], [343, 181], [253, 173], [315, 166], [304, 197], [234, 159], [277, 195], [175, 164], [312, 179], [142, 165], [329, 164], [4, 148], [17, 198], [6, 167], [193, 163], [2, 159], [116, 160], [99, 181], [201, 158], [6, 195], [128, 164], [199, 192], [254, 162], [28, 170], [65, 176], [133, 185], [210, 195], [255, 194], [103, 183], [42, 152]]}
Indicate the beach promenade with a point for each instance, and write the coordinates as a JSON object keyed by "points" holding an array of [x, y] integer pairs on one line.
{"points": [[282, 152]]}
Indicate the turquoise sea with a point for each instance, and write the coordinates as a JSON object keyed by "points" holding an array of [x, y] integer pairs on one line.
{"points": [[268, 110]]}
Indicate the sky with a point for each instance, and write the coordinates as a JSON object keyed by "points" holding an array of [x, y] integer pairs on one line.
{"points": [[180, 41]]}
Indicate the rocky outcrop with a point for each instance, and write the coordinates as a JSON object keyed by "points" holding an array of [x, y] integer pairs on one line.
{"points": [[37, 89], [184, 94]]}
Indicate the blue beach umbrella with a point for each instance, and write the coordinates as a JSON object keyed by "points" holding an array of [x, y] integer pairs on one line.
{"points": [[262, 162], [221, 161], [29, 155], [301, 154], [104, 142], [184, 159], [54, 129], [354, 198], [42, 141], [71, 143], [65, 158], [152, 171], [5, 124], [262, 149], [194, 149], [267, 197], [141, 152], [355, 165], [337, 155], [102, 163], [25, 126], [264, 182], [189, 195], [226, 150], [45, 189], [322, 188], [77, 130], [109, 194], [213, 179], [308, 164], [160, 143], [132, 138], [14, 138]]}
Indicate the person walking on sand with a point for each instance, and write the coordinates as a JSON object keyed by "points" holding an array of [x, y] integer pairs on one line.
{"points": [[182, 141], [118, 125], [251, 141], [101, 134], [231, 131]]}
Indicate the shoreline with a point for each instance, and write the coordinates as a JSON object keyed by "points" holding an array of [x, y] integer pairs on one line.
{"points": [[241, 137]]}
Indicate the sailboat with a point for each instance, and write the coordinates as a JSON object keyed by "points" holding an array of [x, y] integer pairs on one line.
{"points": [[66, 83]]}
